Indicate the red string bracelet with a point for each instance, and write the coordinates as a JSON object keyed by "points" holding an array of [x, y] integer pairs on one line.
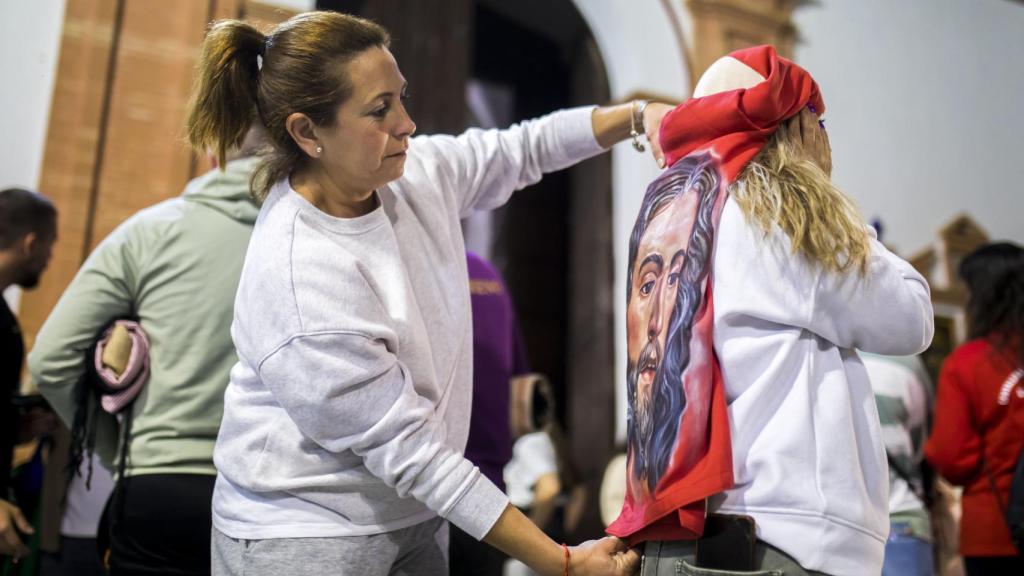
{"points": [[565, 572]]}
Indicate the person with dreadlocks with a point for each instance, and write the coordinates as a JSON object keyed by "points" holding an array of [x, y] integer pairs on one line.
{"points": [[753, 438]]}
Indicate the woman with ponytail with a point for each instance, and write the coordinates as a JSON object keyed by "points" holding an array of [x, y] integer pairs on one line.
{"points": [[345, 419], [978, 435]]}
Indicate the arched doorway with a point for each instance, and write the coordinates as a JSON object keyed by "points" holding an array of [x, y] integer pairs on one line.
{"points": [[553, 241]]}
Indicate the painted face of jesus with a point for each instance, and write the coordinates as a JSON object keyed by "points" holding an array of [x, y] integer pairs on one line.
{"points": [[659, 261]]}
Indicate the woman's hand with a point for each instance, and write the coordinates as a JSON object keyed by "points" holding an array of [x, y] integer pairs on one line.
{"points": [[607, 556], [653, 115], [516, 536], [808, 138], [613, 124]]}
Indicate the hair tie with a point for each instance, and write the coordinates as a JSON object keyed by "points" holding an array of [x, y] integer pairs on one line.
{"points": [[261, 52]]}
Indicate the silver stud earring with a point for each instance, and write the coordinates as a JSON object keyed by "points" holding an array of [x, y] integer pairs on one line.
{"points": [[319, 150]]}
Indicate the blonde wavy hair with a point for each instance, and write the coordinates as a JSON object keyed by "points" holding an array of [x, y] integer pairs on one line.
{"points": [[782, 187]]}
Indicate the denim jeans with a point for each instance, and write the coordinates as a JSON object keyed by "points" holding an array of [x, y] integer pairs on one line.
{"points": [[679, 558], [906, 554]]}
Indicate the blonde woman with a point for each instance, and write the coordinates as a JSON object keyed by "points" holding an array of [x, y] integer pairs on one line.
{"points": [[752, 280]]}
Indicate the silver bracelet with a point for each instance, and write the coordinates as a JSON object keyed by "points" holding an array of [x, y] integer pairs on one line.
{"points": [[636, 116]]}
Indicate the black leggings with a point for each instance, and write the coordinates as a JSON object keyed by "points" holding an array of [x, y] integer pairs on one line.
{"points": [[159, 524], [993, 565]]}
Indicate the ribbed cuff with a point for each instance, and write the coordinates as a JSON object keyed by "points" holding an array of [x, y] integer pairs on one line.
{"points": [[479, 508], [576, 133]]}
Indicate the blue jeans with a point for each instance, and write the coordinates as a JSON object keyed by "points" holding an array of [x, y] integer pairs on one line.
{"points": [[907, 555]]}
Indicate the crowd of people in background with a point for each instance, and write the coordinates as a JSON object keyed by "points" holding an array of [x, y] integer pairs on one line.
{"points": [[295, 367]]}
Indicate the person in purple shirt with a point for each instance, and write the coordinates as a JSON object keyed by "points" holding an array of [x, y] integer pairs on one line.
{"points": [[498, 356]]}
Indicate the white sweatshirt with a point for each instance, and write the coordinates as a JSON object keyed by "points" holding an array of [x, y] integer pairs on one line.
{"points": [[808, 454], [348, 411]]}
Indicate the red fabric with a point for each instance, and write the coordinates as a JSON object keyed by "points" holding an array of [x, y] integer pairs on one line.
{"points": [[731, 127], [974, 432], [737, 124]]}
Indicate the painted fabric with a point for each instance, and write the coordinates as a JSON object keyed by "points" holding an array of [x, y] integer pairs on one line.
{"points": [[679, 450]]}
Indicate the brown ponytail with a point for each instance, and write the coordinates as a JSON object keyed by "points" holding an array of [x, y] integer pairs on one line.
{"points": [[303, 70], [223, 102]]}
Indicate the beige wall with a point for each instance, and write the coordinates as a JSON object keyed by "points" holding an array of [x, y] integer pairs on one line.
{"points": [[114, 140], [30, 41], [923, 101]]}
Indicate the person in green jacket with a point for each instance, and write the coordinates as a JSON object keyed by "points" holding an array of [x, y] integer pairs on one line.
{"points": [[175, 266]]}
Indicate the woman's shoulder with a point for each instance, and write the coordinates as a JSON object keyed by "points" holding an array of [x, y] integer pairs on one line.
{"points": [[981, 360], [287, 290], [743, 247], [971, 351]]}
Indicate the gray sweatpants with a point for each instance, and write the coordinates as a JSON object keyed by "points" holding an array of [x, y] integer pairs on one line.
{"points": [[421, 550]]}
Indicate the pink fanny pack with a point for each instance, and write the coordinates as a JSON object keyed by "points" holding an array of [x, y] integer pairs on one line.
{"points": [[122, 364]]}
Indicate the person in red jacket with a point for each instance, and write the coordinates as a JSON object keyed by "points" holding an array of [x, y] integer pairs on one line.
{"points": [[979, 414]]}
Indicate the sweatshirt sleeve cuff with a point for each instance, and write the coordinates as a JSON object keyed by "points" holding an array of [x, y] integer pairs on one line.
{"points": [[479, 508], [575, 129]]}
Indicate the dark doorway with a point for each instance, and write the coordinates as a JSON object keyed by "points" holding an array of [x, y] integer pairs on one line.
{"points": [[552, 241], [531, 231]]}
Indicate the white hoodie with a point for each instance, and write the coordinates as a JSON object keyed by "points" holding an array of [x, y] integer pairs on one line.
{"points": [[808, 454]]}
